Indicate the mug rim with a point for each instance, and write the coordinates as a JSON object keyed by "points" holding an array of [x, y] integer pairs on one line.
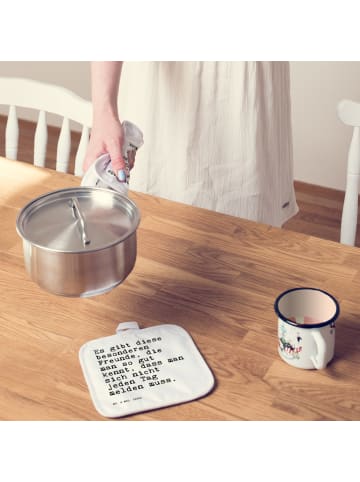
{"points": [[306, 326]]}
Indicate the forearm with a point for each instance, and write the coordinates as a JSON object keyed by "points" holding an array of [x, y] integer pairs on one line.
{"points": [[107, 134], [105, 79]]}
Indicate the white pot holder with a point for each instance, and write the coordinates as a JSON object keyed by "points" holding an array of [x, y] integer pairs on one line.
{"points": [[138, 370]]}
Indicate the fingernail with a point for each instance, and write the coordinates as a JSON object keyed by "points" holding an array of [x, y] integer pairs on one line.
{"points": [[121, 175]]}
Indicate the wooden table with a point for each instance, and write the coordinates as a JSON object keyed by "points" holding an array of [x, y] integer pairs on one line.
{"points": [[216, 276]]}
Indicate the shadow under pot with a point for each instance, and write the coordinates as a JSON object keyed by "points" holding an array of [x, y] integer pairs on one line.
{"points": [[79, 242]]}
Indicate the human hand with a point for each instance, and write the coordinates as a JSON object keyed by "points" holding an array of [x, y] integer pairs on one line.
{"points": [[107, 136]]}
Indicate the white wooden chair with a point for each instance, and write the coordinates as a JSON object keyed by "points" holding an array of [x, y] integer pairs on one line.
{"points": [[20, 92], [349, 114]]}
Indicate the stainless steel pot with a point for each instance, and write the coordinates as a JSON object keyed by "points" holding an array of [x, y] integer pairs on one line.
{"points": [[79, 241]]}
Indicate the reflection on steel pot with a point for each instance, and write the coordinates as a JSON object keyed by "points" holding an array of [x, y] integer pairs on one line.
{"points": [[79, 241]]}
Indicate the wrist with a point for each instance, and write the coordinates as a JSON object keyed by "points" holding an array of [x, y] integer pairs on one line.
{"points": [[106, 110]]}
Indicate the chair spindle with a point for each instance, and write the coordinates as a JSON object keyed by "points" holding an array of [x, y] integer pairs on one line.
{"points": [[40, 140], [12, 134], [63, 147], [80, 155]]}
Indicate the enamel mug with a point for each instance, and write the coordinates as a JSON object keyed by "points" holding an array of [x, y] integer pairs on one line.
{"points": [[306, 327]]}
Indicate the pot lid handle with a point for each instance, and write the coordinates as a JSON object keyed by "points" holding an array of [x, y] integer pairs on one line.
{"points": [[74, 204]]}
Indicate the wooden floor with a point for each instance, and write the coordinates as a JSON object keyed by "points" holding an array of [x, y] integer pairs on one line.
{"points": [[320, 208], [320, 212]]}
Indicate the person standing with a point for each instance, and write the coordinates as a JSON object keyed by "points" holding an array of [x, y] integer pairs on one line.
{"points": [[217, 134]]}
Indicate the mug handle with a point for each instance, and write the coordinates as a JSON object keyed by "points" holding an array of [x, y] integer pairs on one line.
{"points": [[319, 360]]}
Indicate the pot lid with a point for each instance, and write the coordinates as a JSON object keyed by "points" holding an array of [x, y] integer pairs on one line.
{"points": [[78, 219]]}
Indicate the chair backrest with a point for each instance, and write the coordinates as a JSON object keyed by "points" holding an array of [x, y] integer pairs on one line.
{"points": [[19, 92], [349, 114]]}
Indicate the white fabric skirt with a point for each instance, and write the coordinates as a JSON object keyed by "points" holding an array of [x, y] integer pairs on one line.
{"points": [[217, 135]]}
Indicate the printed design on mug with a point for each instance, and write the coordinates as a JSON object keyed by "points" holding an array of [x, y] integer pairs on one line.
{"points": [[290, 347], [332, 327]]}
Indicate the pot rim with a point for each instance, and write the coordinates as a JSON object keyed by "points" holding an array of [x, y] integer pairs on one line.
{"points": [[88, 251]]}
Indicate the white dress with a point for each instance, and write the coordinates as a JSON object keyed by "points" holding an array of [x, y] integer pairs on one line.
{"points": [[217, 135]]}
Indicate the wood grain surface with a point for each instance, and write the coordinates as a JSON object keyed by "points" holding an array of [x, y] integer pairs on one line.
{"points": [[216, 276]]}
